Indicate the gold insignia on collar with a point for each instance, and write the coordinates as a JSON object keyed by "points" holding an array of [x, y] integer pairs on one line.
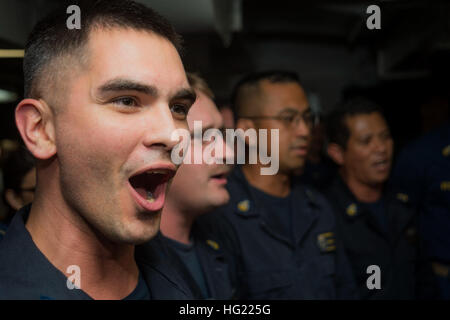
{"points": [[213, 244], [445, 186], [446, 151], [352, 210], [243, 206], [326, 242], [402, 197]]}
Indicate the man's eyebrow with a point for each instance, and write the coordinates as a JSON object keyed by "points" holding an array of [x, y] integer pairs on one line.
{"points": [[365, 135], [130, 85], [127, 85], [185, 94], [292, 110]]}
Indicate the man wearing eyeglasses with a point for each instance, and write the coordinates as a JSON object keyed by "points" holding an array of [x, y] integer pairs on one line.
{"points": [[285, 229]]}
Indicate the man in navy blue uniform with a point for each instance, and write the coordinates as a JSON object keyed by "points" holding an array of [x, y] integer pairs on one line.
{"points": [[286, 230], [422, 174], [201, 244], [101, 105], [377, 226]]}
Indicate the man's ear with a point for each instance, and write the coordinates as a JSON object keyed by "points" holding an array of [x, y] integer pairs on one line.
{"points": [[336, 153], [13, 199], [34, 119]]}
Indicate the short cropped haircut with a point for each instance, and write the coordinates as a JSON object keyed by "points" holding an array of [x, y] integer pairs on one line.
{"points": [[198, 83], [51, 40], [248, 87], [336, 122]]}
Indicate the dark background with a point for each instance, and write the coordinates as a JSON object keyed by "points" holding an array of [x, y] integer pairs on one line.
{"points": [[402, 66]]}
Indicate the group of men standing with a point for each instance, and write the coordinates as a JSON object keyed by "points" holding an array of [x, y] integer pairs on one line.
{"points": [[102, 138]]}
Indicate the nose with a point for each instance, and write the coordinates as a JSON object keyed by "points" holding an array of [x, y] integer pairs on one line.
{"points": [[301, 128], [380, 145], [161, 125]]}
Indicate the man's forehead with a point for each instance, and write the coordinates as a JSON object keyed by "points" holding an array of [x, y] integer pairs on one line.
{"points": [[366, 123], [141, 55], [290, 87], [282, 96], [97, 34]]}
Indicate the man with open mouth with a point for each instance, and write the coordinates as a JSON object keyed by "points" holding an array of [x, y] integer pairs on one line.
{"points": [[101, 105], [201, 244], [377, 225]]}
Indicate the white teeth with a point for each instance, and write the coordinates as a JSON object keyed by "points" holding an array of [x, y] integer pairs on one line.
{"points": [[156, 172]]}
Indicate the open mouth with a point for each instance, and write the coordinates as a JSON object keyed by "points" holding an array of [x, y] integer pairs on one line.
{"points": [[148, 188], [300, 150], [220, 178], [381, 164]]}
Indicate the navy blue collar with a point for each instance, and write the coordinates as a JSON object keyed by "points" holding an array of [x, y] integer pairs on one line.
{"points": [[25, 264], [246, 204], [302, 199], [25, 273]]}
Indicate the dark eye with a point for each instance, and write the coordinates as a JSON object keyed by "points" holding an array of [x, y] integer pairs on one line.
{"points": [[365, 141], [288, 118], [126, 101], [180, 109], [386, 136], [308, 118]]}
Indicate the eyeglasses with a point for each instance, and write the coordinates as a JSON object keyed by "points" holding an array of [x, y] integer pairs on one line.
{"points": [[292, 119]]}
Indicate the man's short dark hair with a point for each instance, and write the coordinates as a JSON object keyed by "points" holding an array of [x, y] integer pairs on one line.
{"points": [[198, 83], [250, 83], [51, 39], [336, 122]]}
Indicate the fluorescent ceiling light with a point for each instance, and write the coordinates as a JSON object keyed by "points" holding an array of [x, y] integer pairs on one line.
{"points": [[7, 96], [11, 53]]}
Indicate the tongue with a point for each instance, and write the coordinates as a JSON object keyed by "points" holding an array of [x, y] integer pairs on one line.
{"points": [[142, 192], [145, 183]]}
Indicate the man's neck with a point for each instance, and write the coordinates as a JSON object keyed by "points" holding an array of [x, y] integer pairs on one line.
{"points": [[107, 270], [363, 192], [176, 224], [278, 185]]}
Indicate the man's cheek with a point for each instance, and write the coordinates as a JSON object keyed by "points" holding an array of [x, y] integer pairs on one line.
{"points": [[110, 144]]}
